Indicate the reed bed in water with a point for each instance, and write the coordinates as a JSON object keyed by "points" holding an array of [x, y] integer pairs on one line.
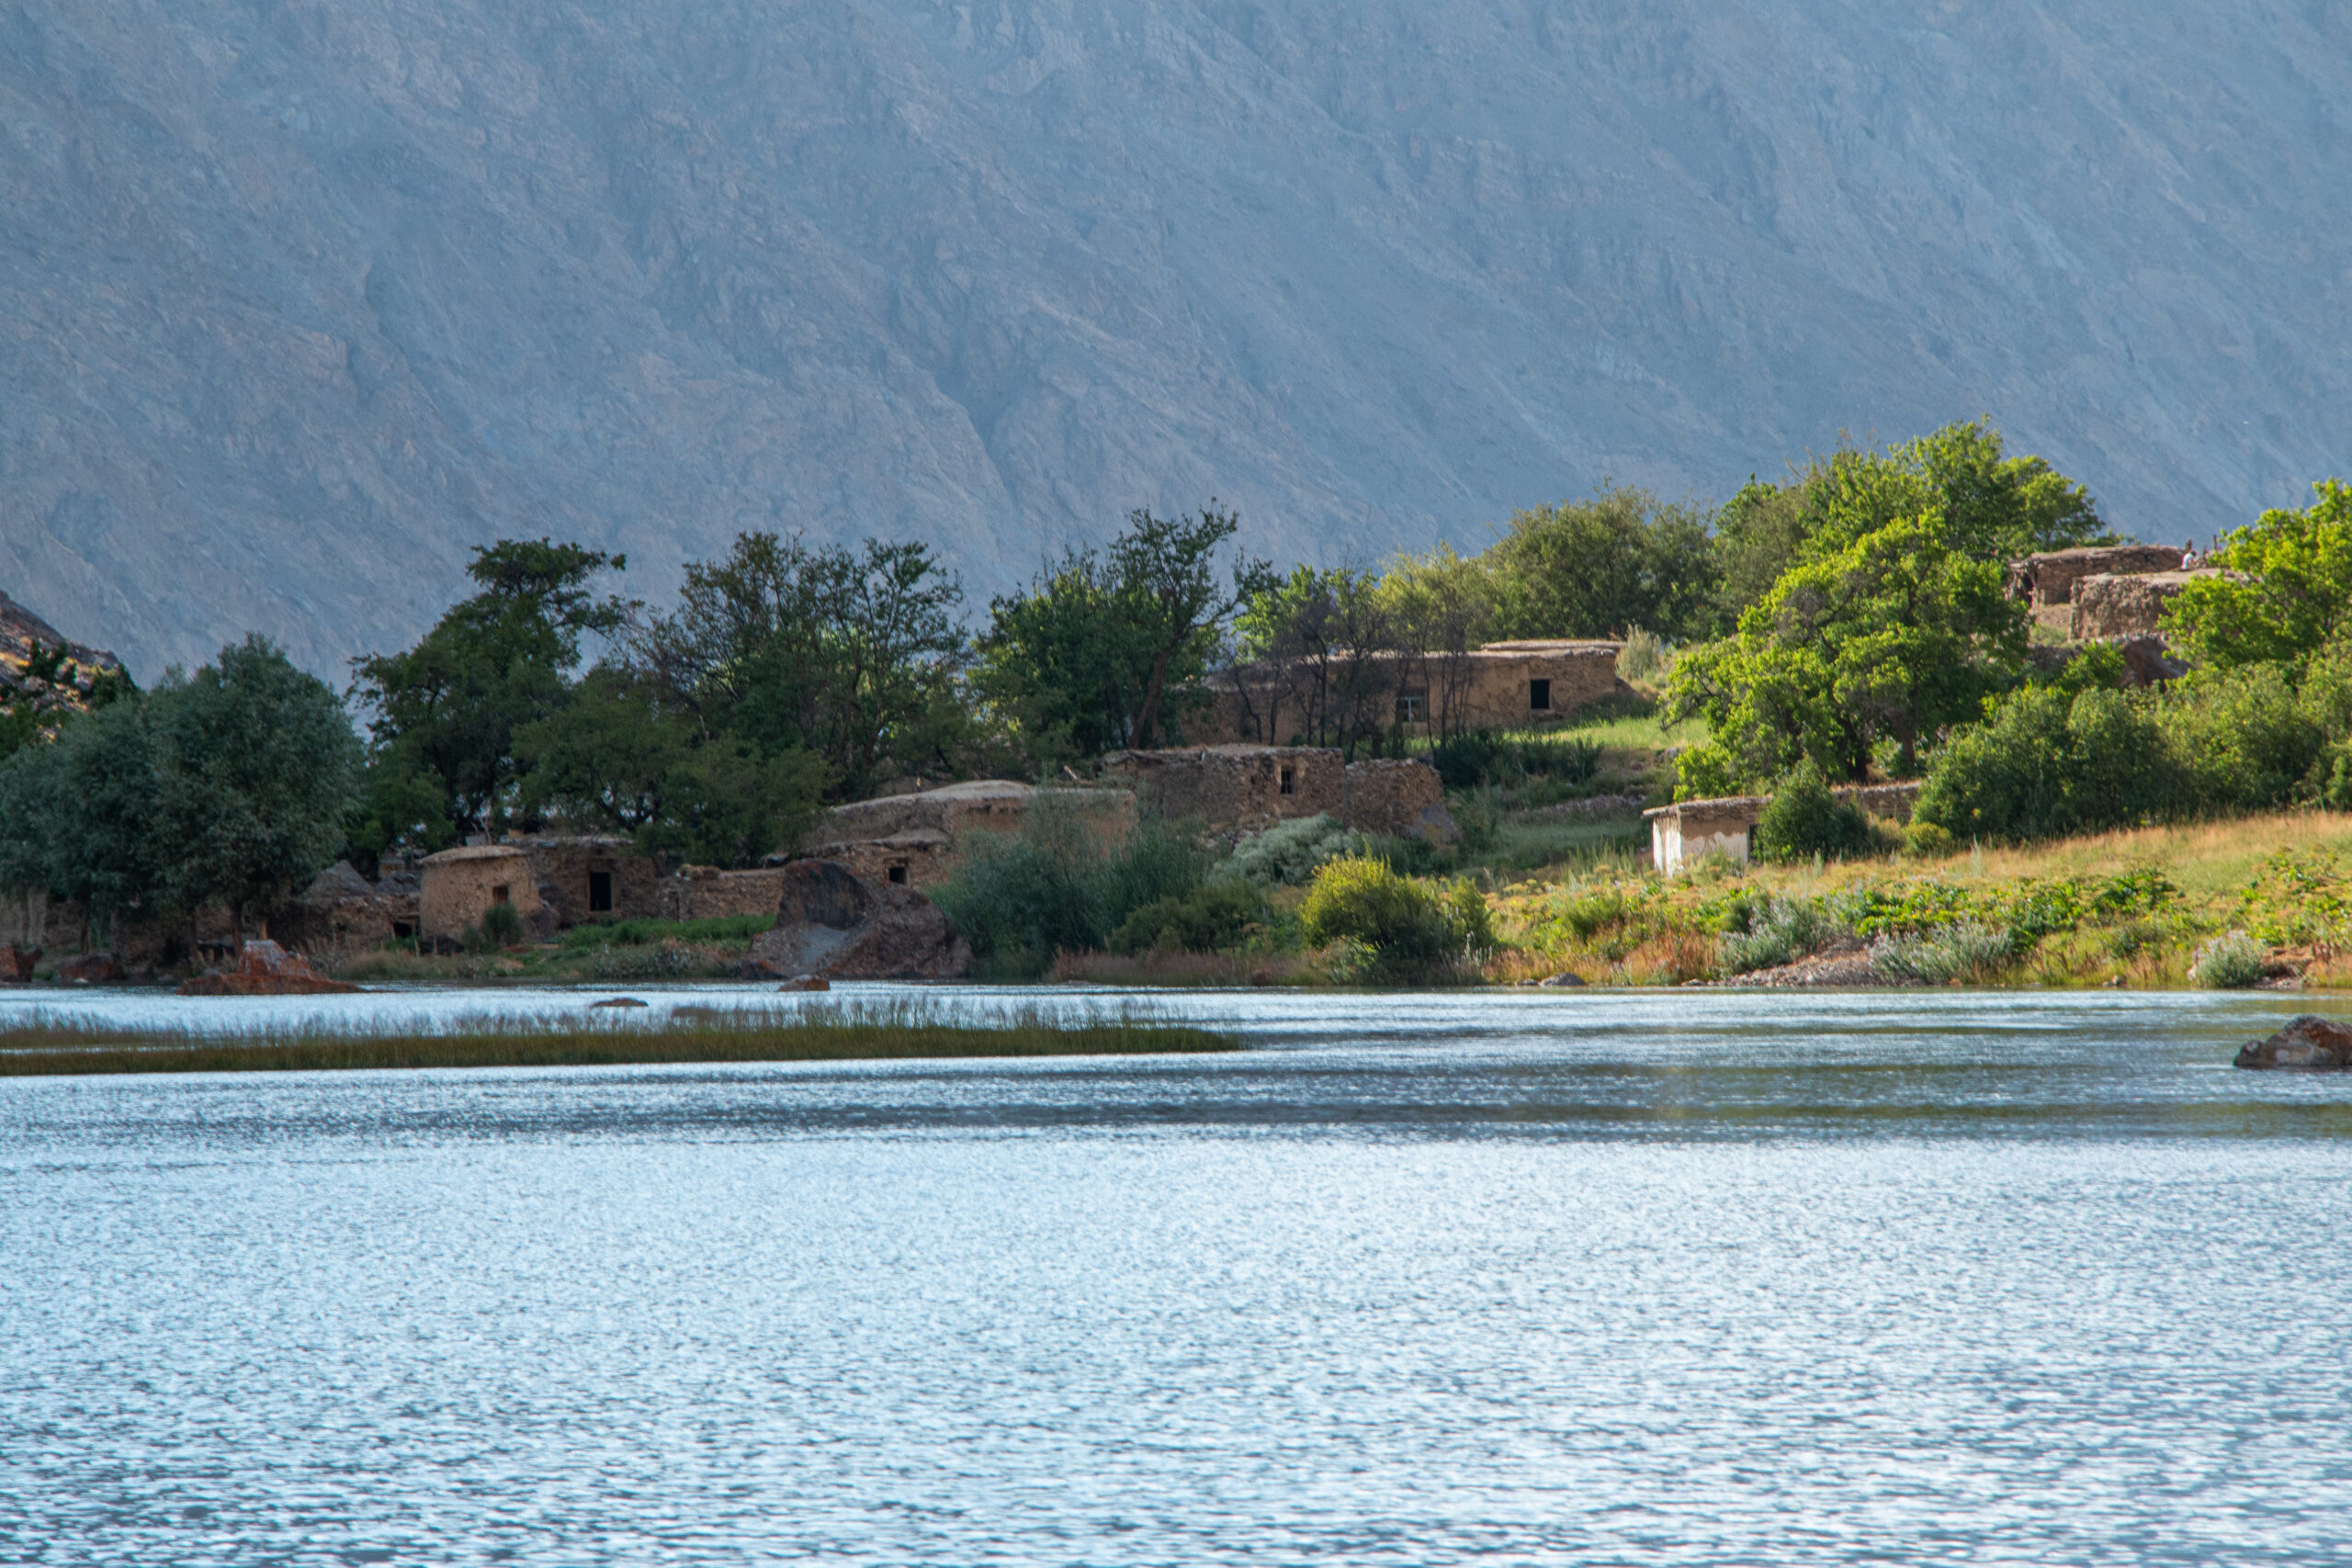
{"points": [[54, 1046]]}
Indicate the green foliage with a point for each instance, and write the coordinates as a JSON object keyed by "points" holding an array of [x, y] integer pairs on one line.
{"points": [[1965, 950], [1596, 568], [1644, 655], [2294, 597], [1896, 634], [1099, 651], [501, 929], [2229, 961], [1758, 535], [1767, 933], [1289, 853], [1326, 637], [445, 713], [2241, 736], [617, 758], [1220, 913], [1416, 935], [1058, 884], [848, 655], [2049, 763], [2300, 898], [1804, 821], [1489, 757], [232, 785]]}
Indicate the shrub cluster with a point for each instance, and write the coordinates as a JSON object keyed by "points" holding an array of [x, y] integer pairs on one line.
{"points": [[1061, 884], [1288, 853], [1414, 934], [1487, 756], [1804, 821]]}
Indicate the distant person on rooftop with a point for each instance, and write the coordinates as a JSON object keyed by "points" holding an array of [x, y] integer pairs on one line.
{"points": [[2188, 556]]}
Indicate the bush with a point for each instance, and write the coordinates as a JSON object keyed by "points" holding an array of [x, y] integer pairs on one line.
{"points": [[2049, 762], [1804, 821], [2241, 736], [1776, 931], [1414, 934], [2230, 962], [501, 929], [1287, 854], [1644, 655], [1217, 914], [1964, 949], [1058, 884], [1486, 755]]}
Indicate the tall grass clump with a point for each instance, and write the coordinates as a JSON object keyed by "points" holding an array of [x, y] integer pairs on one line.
{"points": [[1964, 951], [1775, 931], [50, 1047], [1061, 884], [2230, 962], [1644, 656], [1479, 757], [1289, 853], [1416, 936]]}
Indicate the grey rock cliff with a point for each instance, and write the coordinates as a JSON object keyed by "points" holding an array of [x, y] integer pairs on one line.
{"points": [[298, 300]]}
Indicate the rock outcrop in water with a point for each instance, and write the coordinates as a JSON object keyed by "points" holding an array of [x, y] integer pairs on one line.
{"points": [[2308, 1044], [303, 298]]}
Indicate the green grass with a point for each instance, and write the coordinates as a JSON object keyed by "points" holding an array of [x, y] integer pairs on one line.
{"points": [[821, 1034], [730, 931]]}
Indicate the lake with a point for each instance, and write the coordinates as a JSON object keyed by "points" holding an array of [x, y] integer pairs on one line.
{"points": [[1672, 1277]]}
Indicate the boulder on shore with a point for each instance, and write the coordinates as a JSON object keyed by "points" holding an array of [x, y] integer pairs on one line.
{"points": [[832, 922], [2308, 1044], [265, 969]]}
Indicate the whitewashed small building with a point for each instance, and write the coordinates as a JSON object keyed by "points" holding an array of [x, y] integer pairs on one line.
{"points": [[1690, 828]]}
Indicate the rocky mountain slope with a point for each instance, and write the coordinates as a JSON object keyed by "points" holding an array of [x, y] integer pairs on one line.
{"points": [[298, 299]]}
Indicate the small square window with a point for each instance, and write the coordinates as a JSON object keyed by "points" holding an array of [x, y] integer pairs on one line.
{"points": [[1539, 697], [898, 874], [498, 895], [1412, 707], [1290, 781]]}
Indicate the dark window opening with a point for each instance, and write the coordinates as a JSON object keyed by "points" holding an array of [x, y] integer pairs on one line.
{"points": [[402, 928], [498, 894], [1290, 781], [899, 874], [1412, 707], [600, 891], [1539, 697]]}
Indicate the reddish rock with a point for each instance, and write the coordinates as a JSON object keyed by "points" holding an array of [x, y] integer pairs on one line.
{"points": [[17, 963], [265, 969], [92, 969], [2308, 1044], [806, 983]]}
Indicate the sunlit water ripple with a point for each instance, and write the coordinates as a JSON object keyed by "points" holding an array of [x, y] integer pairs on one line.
{"points": [[1702, 1278]]}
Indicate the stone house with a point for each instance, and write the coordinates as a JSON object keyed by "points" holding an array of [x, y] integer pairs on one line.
{"points": [[457, 888], [1237, 786], [2047, 581], [1497, 685], [1725, 825], [911, 841], [587, 879], [2115, 606]]}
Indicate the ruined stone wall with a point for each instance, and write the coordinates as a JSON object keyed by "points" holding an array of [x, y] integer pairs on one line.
{"points": [[1489, 688], [2116, 606], [1889, 802], [1230, 785], [1399, 796], [2047, 581], [707, 893]]}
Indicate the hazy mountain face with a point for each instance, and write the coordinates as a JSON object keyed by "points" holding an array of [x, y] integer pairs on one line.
{"points": [[297, 300]]}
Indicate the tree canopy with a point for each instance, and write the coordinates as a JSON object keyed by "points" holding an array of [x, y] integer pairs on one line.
{"points": [[2292, 596]]}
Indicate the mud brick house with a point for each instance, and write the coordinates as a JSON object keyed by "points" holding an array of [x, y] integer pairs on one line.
{"points": [[2047, 581], [911, 841], [1726, 825], [457, 888]]}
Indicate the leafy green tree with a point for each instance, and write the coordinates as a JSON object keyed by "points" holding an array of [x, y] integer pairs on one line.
{"points": [[1320, 644], [2050, 762], [78, 814], [1994, 507], [1600, 568], [1758, 535], [1095, 655], [1893, 636], [849, 654], [256, 770], [616, 759], [444, 712], [2293, 596]]}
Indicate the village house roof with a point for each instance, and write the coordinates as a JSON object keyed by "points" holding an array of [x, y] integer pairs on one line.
{"points": [[475, 852]]}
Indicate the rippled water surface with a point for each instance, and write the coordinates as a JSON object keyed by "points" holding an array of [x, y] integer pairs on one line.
{"points": [[1595, 1276]]}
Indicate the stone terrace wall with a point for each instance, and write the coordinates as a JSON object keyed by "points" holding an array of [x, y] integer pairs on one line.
{"points": [[707, 893], [2047, 581]]}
